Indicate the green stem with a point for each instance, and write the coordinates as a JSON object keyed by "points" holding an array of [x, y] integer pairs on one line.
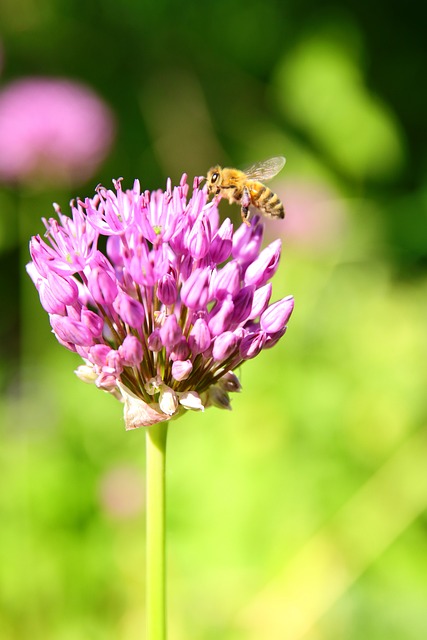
{"points": [[156, 536]]}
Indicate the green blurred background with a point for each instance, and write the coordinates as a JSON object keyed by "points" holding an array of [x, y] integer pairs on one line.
{"points": [[301, 513]]}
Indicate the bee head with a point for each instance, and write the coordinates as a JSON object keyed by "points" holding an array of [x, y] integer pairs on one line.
{"points": [[213, 179]]}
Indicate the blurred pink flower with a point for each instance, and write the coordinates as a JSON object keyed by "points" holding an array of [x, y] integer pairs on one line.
{"points": [[316, 216], [52, 130]]}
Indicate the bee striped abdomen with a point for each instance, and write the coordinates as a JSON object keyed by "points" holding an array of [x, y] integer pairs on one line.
{"points": [[267, 201]]}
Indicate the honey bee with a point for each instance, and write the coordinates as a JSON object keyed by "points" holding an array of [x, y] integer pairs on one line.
{"points": [[247, 188]]}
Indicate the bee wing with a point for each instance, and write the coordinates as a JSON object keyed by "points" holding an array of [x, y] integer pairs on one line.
{"points": [[265, 170]]}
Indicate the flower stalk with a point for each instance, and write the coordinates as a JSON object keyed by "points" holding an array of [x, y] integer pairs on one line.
{"points": [[156, 437]]}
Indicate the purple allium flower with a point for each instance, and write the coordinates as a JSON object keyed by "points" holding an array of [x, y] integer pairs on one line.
{"points": [[52, 130], [173, 306]]}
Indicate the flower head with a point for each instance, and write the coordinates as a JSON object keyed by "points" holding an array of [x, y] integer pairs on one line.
{"points": [[52, 130], [175, 304]]}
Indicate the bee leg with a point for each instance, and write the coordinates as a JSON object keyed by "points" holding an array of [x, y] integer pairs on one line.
{"points": [[245, 203]]}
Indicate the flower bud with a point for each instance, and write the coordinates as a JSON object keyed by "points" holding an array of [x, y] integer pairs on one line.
{"points": [[102, 286], [70, 330], [155, 341], [167, 290], [191, 400], [195, 290], [86, 373], [230, 382], [218, 398], [131, 351], [93, 322], [170, 332], [227, 281], [247, 241], [265, 266], [220, 319], [168, 400], [276, 316], [224, 345], [242, 304], [186, 268], [107, 381], [181, 369], [49, 301], [63, 289], [41, 256], [130, 310], [220, 249], [114, 362], [252, 344], [273, 338], [200, 337], [98, 354], [260, 300], [181, 350], [199, 239]]}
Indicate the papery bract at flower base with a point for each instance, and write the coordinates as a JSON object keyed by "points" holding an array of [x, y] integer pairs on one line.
{"points": [[176, 303], [138, 413]]}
